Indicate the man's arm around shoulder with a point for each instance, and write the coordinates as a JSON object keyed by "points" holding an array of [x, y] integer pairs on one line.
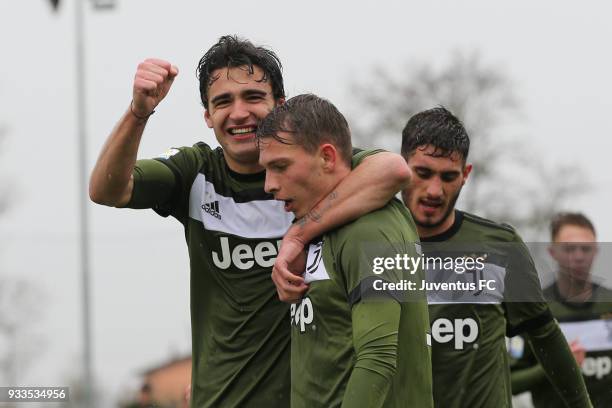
{"points": [[368, 187]]}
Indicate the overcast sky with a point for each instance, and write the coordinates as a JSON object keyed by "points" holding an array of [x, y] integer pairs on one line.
{"points": [[558, 54]]}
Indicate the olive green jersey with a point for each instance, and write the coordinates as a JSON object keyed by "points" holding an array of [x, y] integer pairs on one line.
{"points": [[468, 328], [348, 349], [590, 324], [233, 229]]}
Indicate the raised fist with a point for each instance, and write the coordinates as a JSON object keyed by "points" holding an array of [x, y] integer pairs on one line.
{"points": [[152, 82]]}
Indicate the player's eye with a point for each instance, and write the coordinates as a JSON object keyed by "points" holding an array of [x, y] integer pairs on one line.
{"points": [[278, 167], [221, 103], [254, 98], [448, 177], [587, 249], [423, 173]]}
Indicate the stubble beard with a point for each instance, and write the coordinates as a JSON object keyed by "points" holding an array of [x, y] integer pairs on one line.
{"points": [[449, 210]]}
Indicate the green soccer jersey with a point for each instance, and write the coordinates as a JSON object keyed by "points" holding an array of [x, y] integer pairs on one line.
{"points": [[233, 229], [468, 325], [349, 347], [590, 324]]}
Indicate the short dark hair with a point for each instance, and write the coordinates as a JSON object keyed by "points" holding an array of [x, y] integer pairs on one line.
{"points": [[312, 121], [230, 52], [437, 127], [562, 219]]}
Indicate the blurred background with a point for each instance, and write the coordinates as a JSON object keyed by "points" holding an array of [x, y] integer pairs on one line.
{"points": [[531, 80]]}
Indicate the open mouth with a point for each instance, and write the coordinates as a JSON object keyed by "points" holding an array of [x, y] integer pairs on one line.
{"points": [[288, 205], [242, 132], [430, 206]]}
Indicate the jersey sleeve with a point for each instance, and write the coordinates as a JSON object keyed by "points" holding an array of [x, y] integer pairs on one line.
{"points": [[525, 372], [164, 183], [360, 154], [552, 351], [524, 302], [375, 339]]}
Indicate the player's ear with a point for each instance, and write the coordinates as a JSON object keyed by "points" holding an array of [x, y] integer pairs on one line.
{"points": [[328, 155], [279, 101], [467, 169], [208, 119]]}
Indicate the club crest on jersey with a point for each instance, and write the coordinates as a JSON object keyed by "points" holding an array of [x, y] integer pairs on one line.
{"points": [[302, 314], [315, 267]]}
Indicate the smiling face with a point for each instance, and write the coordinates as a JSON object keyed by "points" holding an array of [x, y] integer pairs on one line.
{"points": [[434, 190], [237, 99]]}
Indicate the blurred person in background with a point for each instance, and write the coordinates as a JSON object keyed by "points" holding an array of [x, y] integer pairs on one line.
{"points": [[584, 311]]}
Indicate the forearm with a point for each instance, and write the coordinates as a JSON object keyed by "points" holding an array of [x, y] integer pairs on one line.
{"points": [[552, 351], [525, 379], [368, 187], [110, 180]]}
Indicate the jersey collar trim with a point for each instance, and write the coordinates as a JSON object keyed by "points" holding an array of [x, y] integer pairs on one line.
{"points": [[261, 176], [575, 305]]}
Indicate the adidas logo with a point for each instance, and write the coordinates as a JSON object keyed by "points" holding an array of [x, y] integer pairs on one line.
{"points": [[212, 208]]}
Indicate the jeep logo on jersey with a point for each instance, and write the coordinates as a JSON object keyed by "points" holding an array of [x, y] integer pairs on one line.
{"points": [[597, 366], [243, 256], [302, 314], [461, 330]]}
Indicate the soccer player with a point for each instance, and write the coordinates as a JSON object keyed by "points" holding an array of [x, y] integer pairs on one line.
{"points": [[469, 358], [583, 309], [347, 349], [233, 229]]}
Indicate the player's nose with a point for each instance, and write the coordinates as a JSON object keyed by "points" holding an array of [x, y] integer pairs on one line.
{"points": [[271, 185], [434, 188], [239, 111]]}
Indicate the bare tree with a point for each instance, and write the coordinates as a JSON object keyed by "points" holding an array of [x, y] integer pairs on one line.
{"points": [[20, 310], [509, 182], [19, 314]]}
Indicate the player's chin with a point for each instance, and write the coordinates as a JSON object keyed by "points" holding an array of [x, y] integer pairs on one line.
{"points": [[246, 152], [298, 213], [428, 220], [581, 275]]}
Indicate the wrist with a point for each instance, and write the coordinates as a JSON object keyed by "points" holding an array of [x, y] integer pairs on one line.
{"points": [[304, 231], [141, 117]]}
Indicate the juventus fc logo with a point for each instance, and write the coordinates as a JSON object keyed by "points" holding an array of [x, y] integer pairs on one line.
{"points": [[316, 259]]}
